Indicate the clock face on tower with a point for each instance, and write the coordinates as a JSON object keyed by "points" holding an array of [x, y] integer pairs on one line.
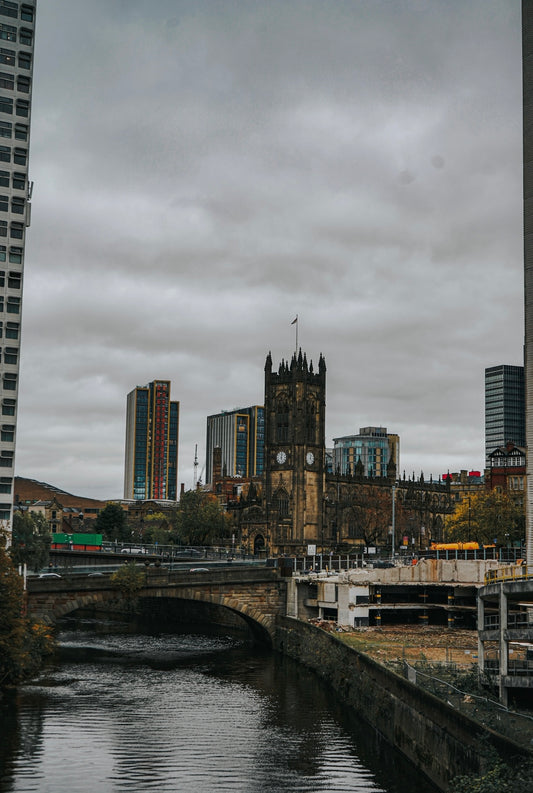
{"points": [[281, 457], [310, 458]]}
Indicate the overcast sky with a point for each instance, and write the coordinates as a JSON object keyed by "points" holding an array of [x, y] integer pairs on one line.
{"points": [[207, 170]]}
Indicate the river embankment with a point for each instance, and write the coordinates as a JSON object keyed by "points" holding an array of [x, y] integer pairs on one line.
{"points": [[440, 741]]}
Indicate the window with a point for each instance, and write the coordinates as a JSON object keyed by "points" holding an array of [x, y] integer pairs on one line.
{"points": [[11, 355], [6, 129], [6, 459], [3, 228], [12, 330], [4, 179], [2, 253], [17, 230], [26, 13], [7, 80], [5, 154], [7, 56], [6, 104], [22, 108], [14, 280], [281, 503], [10, 381], [19, 181], [1, 303], [23, 84], [21, 131], [2, 277], [7, 32], [15, 255], [13, 305], [5, 484], [7, 432], [4, 203], [20, 156], [9, 9], [8, 407], [24, 60], [17, 205], [26, 37]]}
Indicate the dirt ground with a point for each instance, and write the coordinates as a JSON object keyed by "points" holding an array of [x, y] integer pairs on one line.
{"points": [[454, 647], [434, 644]]}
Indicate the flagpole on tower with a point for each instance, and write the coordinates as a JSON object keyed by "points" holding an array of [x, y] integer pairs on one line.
{"points": [[295, 322]]}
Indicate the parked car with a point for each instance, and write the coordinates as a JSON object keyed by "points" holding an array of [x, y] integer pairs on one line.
{"points": [[49, 575], [199, 570], [134, 550]]}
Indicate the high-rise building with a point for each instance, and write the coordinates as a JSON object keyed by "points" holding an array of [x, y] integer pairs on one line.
{"points": [[240, 435], [505, 413], [17, 27], [527, 121], [373, 448], [152, 424]]}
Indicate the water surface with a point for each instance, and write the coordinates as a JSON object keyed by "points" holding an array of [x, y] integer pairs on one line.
{"points": [[192, 712]]}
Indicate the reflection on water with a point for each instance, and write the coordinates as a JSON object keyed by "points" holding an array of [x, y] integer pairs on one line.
{"points": [[186, 712]]}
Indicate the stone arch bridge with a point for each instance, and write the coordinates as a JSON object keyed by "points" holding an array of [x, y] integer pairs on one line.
{"points": [[257, 594]]}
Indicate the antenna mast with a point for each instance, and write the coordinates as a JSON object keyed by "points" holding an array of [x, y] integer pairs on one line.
{"points": [[195, 479]]}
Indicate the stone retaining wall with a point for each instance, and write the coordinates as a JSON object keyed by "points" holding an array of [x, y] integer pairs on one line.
{"points": [[438, 740]]}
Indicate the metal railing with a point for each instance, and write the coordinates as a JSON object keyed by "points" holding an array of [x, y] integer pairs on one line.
{"points": [[521, 620], [520, 572]]}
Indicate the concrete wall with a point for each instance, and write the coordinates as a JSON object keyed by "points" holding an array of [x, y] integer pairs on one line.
{"points": [[437, 571], [438, 740]]}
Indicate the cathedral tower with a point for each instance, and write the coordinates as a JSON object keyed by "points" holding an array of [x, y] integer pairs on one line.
{"points": [[295, 407]]}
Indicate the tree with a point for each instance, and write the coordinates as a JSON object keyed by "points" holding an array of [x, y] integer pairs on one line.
{"points": [[23, 644], [486, 518], [371, 515], [129, 579], [112, 524], [153, 527], [31, 540], [199, 519]]}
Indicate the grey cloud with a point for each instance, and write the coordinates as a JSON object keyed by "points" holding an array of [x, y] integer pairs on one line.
{"points": [[205, 171]]}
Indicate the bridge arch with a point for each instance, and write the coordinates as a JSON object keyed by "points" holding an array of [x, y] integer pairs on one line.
{"points": [[257, 597]]}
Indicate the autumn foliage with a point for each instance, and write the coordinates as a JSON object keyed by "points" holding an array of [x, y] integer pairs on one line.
{"points": [[23, 643]]}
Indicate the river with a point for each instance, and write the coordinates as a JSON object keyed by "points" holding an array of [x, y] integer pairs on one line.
{"points": [[198, 712]]}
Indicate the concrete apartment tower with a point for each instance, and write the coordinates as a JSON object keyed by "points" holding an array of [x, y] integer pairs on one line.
{"points": [[17, 27], [527, 88]]}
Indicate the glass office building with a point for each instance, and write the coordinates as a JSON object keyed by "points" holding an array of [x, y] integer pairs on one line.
{"points": [[373, 447], [240, 434], [505, 410], [152, 426]]}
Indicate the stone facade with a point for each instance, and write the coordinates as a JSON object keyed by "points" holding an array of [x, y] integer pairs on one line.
{"points": [[300, 504]]}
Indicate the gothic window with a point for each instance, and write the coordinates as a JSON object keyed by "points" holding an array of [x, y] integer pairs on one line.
{"points": [[310, 422], [281, 503], [282, 423]]}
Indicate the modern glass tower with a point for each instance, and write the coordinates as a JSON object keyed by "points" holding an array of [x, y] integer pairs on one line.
{"points": [[17, 27], [505, 412], [152, 425], [374, 447], [240, 434]]}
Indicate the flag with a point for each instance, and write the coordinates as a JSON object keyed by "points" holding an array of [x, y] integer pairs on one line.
{"points": [[295, 320]]}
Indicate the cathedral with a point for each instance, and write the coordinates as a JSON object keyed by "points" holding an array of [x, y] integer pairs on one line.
{"points": [[298, 507]]}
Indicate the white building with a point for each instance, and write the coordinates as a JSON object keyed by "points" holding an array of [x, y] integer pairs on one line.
{"points": [[17, 26]]}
